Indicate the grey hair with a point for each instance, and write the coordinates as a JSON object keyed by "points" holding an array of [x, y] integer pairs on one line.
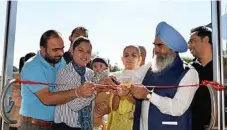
{"points": [[161, 61]]}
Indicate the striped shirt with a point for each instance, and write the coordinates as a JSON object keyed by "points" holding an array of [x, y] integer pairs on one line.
{"points": [[68, 113]]}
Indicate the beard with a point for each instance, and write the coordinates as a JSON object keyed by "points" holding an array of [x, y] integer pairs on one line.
{"points": [[52, 60], [161, 61]]}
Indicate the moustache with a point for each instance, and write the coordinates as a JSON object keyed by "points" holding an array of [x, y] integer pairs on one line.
{"points": [[160, 56], [53, 60]]}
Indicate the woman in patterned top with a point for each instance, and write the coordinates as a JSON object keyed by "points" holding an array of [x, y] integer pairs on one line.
{"points": [[76, 114]]}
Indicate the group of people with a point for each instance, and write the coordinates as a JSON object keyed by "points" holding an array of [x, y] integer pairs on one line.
{"points": [[85, 91]]}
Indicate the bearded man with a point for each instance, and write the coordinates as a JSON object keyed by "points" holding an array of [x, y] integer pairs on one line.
{"points": [[165, 108], [39, 101]]}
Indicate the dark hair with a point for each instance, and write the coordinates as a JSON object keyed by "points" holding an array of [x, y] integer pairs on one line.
{"points": [[79, 40], [80, 28], [46, 36], [202, 32], [24, 59], [28, 56], [101, 60], [21, 64]]}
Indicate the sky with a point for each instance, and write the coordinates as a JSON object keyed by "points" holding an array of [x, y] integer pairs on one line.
{"points": [[112, 24]]}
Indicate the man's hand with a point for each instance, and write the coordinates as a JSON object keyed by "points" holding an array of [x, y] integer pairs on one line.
{"points": [[139, 91], [86, 89]]}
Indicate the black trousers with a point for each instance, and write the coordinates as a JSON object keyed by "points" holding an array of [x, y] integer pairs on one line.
{"points": [[13, 128], [63, 126]]}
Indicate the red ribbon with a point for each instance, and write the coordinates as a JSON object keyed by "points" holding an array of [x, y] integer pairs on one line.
{"points": [[35, 83], [204, 83]]}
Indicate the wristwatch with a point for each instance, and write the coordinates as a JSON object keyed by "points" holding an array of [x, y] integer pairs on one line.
{"points": [[149, 95]]}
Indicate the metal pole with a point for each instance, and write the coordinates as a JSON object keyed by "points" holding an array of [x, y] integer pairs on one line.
{"points": [[218, 59], [10, 29]]}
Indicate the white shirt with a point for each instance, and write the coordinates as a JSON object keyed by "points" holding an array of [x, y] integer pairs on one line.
{"points": [[134, 76], [175, 106], [126, 76]]}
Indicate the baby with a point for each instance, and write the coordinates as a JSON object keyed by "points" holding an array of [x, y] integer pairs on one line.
{"points": [[101, 70]]}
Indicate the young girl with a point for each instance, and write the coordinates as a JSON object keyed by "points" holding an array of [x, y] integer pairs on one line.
{"points": [[121, 116], [76, 114]]}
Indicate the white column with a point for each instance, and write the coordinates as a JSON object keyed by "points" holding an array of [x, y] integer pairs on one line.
{"points": [[8, 53], [218, 59]]}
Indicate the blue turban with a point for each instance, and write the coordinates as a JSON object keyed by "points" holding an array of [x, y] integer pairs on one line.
{"points": [[171, 37]]}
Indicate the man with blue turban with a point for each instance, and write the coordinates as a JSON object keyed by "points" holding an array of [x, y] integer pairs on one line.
{"points": [[165, 108]]}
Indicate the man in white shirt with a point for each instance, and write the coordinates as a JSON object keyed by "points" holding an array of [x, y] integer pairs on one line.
{"points": [[165, 109]]}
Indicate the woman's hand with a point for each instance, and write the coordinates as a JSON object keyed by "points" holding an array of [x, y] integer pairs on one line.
{"points": [[107, 83], [122, 90], [85, 90]]}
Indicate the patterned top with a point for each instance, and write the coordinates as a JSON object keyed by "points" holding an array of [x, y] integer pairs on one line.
{"points": [[68, 113], [100, 75]]}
